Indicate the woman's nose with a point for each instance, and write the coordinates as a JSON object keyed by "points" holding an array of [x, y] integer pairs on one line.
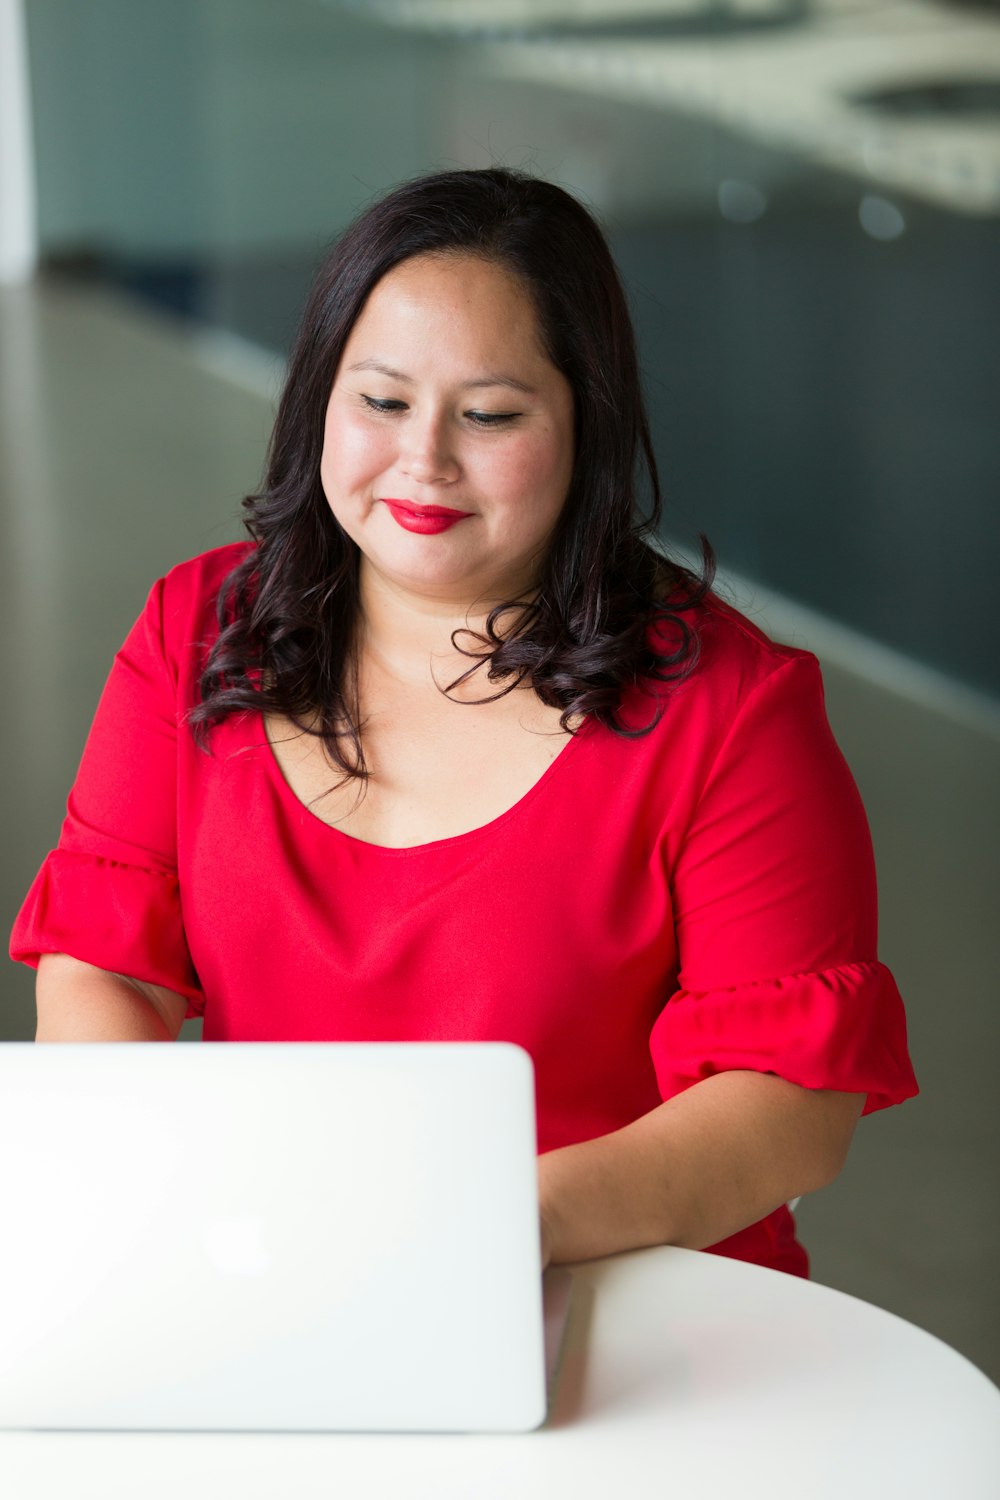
{"points": [[428, 455]]}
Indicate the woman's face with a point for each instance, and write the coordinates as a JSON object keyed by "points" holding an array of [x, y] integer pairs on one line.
{"points": [[448, 446]]}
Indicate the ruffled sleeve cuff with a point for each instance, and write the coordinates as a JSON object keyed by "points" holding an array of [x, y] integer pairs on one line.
{"points": [[841, 1028], [118, 917]]}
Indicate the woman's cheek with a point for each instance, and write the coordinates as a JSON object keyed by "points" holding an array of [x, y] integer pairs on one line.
{"points": [[355, 454], [540, 469]]}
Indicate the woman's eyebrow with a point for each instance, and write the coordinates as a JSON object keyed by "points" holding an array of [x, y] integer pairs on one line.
{"points": [[381, 368]]}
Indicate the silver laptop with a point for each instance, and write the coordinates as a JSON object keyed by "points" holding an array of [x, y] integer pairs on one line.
{"points": [[271, 1237]]}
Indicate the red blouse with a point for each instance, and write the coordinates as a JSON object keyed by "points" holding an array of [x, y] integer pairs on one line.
{"points": [[652, 911]]}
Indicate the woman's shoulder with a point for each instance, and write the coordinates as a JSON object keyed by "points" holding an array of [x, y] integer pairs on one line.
{"points": [[730, 641], [730, 647], [180, 617], [187, 594], [202, 576], [734, 658]]}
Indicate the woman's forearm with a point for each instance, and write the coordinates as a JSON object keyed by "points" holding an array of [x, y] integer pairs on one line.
{"points": [[80, 1003], [695, 1170]]}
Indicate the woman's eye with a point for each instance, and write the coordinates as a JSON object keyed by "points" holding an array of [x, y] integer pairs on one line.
{"points": [[383, 404], [492, 418], [388, 406]]}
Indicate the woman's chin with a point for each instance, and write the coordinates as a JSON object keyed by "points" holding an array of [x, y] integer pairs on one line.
{"points": [[445, 578]]}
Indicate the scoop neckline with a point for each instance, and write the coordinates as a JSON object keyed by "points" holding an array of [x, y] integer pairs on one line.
{"points": [[432, 845]]}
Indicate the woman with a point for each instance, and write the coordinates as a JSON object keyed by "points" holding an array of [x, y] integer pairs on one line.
{"points": [[450, 750]]}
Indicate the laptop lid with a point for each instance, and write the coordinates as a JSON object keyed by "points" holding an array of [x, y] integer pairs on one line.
{"points": [[302, 1237]]}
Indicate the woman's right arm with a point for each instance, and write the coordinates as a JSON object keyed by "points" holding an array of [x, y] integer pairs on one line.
{"points": [[80, 1003], [109, 895]]}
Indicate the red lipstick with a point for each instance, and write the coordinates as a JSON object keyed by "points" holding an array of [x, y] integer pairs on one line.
{"points": [[426, 520]]}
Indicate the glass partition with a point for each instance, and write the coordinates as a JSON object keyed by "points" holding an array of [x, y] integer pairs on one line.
{"points": [[804, 197]]}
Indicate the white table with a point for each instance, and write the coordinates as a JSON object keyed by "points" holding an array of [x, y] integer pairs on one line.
{"points": [[683, 1375]]}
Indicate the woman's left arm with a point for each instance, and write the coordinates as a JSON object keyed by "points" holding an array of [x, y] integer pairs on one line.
{"points": [[698, 1168]]}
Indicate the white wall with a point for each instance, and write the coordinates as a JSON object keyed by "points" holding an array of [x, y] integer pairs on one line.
{"points": [[18, 241]]}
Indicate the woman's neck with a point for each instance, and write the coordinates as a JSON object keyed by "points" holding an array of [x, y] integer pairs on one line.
{"points": [[408, 636]]}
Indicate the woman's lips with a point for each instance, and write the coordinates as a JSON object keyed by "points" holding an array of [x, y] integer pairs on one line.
{"points": [[424, 519]]}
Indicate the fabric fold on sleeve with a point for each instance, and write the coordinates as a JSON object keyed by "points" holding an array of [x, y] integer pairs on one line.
{"points": [[118, 917], [839, 1028]]}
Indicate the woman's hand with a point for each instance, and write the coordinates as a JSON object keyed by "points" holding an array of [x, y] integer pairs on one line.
{"points": [[697, 1169], [546, 1236]]}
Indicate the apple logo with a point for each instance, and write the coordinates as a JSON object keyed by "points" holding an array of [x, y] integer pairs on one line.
{"points": [[237, 1245]]}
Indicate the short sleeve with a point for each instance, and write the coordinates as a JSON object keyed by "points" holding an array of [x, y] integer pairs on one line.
{"points": [[775, 908], [109, 895]]}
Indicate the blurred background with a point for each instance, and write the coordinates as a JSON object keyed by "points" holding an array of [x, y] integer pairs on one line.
{"points": [[804, 199]]}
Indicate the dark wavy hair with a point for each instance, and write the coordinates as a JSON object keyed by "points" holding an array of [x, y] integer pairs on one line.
{"points": [[287, 612]]}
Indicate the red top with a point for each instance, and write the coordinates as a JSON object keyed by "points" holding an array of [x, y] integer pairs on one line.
{"points": [[652, 911]]}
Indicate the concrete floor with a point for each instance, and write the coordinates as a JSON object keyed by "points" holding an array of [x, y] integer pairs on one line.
{"points": [[126, 444]]}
